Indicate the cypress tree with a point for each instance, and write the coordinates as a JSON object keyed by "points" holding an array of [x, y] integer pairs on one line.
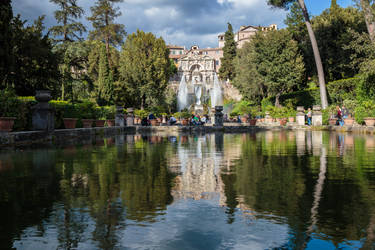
{"points": [[227, 68], [104, 88], [6, 61]]}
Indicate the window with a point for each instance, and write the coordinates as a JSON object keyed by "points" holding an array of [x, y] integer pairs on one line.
{"points": [[217, 62], [180, 52]]}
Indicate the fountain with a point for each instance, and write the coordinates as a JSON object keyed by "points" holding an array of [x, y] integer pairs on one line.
{"points": [[216, 93], [182, 97]]}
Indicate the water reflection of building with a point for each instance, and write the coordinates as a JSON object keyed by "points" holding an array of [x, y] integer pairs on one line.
{"points": [[199, 167]]}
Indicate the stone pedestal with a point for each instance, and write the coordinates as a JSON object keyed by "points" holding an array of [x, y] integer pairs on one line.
{"points": [[267, 118], [300, 117], [219, 121], [164, 120], [119, 118], [130, 117], [43, 117], [317, 117], [212, 116]]}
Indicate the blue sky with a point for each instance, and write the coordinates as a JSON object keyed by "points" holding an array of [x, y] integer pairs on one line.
{"points": [[181, 22]]}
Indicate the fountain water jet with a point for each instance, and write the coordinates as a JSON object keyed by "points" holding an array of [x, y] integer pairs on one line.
{"points": [[216, 93], [182, 97]]}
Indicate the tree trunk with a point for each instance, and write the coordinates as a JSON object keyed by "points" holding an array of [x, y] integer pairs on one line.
{"points": [[143, 102], [107, 37], [369, 18], [277, 100], [318, 60]]}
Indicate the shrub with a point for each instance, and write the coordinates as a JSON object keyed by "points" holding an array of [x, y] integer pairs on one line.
{"points": [[141, 113], [363, 110]]}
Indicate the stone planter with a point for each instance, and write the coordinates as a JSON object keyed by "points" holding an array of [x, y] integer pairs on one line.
{"points": [[70, 123], [370, 121], [332, 121], [110, 123], [349, 121], [6, 123], [253, 122], [99, 123], [291, 119], [184, 122], [87, 123]]}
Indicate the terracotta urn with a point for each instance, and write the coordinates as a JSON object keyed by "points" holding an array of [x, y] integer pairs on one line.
{"points": [[87, 123], [253, 122], [184, 122], [282, 121], [70, 123], [349, 121], [99, 123], [154, 122], [332, 121], [370, 121], [6, 123], [110, 123], [244, 119]]}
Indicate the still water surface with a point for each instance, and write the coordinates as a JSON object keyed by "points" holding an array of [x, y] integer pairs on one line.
{"points": [[271, 190]]}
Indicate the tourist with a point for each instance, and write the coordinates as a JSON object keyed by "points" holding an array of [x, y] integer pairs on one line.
{"points": [[339, 116], [151, 116], [172, 120], [196, 120], [309, 116], [145, 121]]}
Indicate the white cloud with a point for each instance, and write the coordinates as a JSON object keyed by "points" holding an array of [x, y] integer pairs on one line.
{"points": [[183, 22]]}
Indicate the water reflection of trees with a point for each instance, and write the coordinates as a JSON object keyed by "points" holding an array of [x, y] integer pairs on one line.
{"points": [[278, 173], [87, 193]]}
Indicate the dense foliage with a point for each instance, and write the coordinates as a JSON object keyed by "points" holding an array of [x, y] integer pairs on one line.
{"points": [[144, 70]]}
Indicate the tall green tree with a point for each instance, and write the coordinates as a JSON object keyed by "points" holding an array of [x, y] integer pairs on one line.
{"points": [[66, 16], [144, 70], [103, 14], [318, 61], [6, 59], [226, 70], [104, 84], [270, 65], [37, 65], [334, 30], [368, 11]]}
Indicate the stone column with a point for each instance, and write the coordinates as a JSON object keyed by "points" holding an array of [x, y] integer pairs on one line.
{"points": [[219, 116], [119, 119], [317, 117], [43, 117], [300, 117], [130, 117]]}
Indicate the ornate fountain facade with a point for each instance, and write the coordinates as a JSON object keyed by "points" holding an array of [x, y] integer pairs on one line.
{"points": [[198, 82]]}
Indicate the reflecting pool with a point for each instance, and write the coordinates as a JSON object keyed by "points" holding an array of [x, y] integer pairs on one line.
{"points": [[267, 190]]}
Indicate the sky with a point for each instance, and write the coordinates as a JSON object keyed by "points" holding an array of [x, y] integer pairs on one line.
{"points": [[180, 22]]}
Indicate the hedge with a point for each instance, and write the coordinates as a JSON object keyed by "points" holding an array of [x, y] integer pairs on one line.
{"points": [[337, 92], [21, 108]]}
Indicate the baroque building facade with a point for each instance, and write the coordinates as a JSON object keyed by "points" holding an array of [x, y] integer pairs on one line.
{"points": [[199, 65]]}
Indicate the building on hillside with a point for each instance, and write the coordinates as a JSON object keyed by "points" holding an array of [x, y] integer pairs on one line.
{"points": [[244, 34], [176, 52]]}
